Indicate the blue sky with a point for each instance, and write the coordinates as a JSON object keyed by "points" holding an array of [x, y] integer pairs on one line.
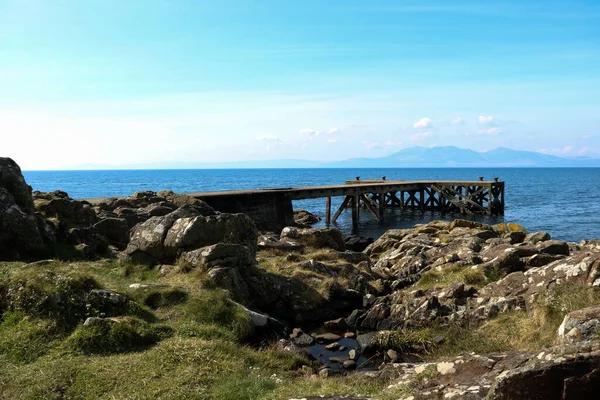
{"points": [[115, 82]]}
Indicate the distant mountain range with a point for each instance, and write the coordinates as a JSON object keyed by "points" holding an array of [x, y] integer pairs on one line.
{"points": [[413, 157]]}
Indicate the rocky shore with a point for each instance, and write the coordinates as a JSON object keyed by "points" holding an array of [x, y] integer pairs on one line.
{"points": [[449, 309]]}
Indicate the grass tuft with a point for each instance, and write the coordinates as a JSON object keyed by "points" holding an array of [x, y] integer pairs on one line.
{"points": [[110, 337]]}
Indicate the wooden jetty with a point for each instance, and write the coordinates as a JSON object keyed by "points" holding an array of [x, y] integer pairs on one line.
{"points": [[271, 208]]}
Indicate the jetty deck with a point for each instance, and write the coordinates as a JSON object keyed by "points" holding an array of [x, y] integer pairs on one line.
{"points": [[272, 207]]}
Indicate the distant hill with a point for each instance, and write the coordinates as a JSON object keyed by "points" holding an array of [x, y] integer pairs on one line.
{"points": [[413, 157], [451, 156]]}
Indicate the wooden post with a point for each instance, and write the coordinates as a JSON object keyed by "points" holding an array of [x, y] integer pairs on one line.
{"points": [[355, 210], [422, 194], [402, 204], [502, 197], [328, 210], [489, 210], [381, 205]]}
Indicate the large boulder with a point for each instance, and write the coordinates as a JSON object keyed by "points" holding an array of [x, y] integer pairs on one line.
{"points": [[566, 374], [67, 212], [581, 325], [220, 255], [304, 218], [195, 232], [163, 239], [147, 239], [581, 268], [116, 230], [20, 235], [11, 179], [181, 200], [316, 237], [560, 373]]}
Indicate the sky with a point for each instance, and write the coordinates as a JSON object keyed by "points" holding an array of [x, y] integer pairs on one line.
{"points": [[110, 82]]}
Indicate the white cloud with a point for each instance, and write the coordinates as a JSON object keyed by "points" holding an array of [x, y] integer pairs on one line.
{"points": [[309, 132], [457, 121], [269, 138], [423, 123], [334, 130], [332, 140], [391, 143], [486, 120]]}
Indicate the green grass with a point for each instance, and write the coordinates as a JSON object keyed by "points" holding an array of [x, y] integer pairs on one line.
{"points": [[459, 274], [190, 348], [116, 337], [185, 340], [517, 330]]}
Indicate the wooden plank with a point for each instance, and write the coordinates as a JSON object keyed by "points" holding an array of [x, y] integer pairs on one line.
{"points": [[342, 208]]}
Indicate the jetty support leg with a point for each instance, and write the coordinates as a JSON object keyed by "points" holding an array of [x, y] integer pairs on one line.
{"points": [[490, 201], [369, 206], [342, 208], [328, 210], [381, 205], [355, 210]]}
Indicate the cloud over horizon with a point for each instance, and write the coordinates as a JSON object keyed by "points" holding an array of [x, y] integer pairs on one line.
{"points": [[423, 123]]}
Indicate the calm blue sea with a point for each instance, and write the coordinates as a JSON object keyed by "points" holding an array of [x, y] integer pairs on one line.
{"points": [[562, 201]]}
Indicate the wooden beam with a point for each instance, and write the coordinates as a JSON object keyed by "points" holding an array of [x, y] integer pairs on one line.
{"points": [[451, 199], [381, 205], [369, 206], [466, 199], [342, 208], [328, 209]]}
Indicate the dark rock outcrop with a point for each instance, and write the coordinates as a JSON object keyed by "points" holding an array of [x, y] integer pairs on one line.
{"points": [[305, 219], [22, 233]]}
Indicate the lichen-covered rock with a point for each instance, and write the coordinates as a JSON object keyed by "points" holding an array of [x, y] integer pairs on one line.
{"points": [[195, 232], [553, 247], [273, 242], [580, 268], [220, 255], [581, 325], [316, 237], [536, 237], [566, 372], [147, 239], [181, 200]]}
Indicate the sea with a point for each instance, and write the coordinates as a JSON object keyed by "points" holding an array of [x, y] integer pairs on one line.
{"points": [[562, 201]]}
